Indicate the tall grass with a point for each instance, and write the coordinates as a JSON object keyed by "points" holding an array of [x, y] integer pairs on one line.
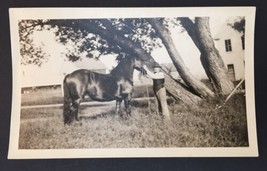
{"points": [[203, 126]]}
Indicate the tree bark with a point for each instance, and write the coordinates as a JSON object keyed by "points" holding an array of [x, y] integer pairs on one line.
{"points": [[196, 85], [210, 57]]}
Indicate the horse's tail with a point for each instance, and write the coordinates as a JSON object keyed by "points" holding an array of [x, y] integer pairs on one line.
{"points": [[67, 114]]}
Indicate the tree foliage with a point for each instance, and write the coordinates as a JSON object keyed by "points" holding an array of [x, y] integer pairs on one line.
{"points": [[30, 52], [79, 40], [238, 25]]}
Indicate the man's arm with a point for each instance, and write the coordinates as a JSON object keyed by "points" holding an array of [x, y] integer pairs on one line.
{"points": [[152, 75]]}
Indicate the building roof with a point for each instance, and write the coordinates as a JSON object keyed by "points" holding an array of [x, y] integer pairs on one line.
{"points": [[91, 64], [85, 63]]}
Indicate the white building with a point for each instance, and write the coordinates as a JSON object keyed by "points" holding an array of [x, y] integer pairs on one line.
{"points": [[231, 46]]}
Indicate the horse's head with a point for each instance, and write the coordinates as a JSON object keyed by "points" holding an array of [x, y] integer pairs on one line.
{"points": [[138, 65], [127, 65]]}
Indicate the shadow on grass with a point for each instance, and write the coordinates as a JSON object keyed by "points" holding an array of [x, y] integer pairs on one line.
{"points": [[109, 113], [84, 106]]}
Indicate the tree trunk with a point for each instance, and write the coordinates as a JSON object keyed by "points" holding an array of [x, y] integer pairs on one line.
{"points": [[175, 89], [210, 57], [193, 83]]}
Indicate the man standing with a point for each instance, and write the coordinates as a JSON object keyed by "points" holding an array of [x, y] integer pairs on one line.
{"points": [[159, 90]]}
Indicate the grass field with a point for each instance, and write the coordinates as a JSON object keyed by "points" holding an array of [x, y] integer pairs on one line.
{"points": [[204, 126]]}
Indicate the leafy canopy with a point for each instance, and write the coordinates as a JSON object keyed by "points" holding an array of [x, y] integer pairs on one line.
{"points": [[82, 37]]}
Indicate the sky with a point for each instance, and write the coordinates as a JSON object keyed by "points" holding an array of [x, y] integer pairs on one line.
{"points": [[51, 72]]}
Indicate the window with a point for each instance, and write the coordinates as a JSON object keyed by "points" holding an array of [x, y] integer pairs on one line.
{"points": [[231, 72], [228, 46], [243, 42]]}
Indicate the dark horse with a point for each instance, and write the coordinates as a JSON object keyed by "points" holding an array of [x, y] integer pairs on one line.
{"points": [[118, 85]]}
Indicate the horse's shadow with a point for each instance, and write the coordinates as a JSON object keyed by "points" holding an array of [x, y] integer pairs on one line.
{"points": [[110, 113]]}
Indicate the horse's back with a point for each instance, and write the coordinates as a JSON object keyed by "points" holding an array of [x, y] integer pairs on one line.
{"points": [[99, 87], [81, 73]]}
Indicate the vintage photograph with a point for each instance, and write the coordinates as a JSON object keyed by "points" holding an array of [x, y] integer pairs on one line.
{"points": [[131, 82]]}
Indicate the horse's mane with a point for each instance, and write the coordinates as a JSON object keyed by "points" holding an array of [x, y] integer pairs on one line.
{"points": [[123, 68]]}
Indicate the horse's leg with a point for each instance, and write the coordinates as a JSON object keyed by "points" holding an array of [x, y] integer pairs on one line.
{"points": [[76, 103], [75, 108], [127, 101], [118, 106]]}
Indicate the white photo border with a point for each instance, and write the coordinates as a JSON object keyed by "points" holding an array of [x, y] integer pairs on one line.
{"points": [[17, 14]]}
